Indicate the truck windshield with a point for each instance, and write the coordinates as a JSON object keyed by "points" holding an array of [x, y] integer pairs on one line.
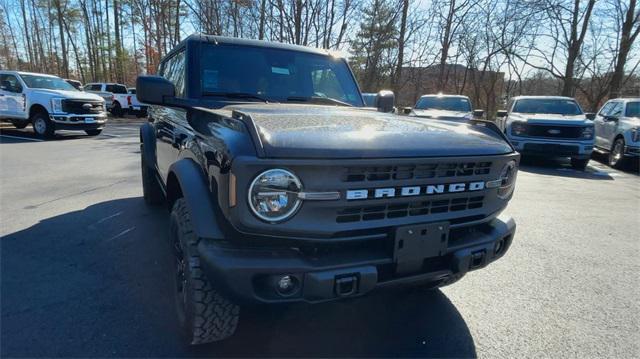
{"points": [[633, 109], [46, 82], [547, 106], [257, 73], [459, 104]]}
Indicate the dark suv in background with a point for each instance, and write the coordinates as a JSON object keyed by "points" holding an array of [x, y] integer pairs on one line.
{"points": [[284, 188]]}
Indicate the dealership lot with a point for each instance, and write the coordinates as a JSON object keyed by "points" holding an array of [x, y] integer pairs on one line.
{"points": [[85, 270]]}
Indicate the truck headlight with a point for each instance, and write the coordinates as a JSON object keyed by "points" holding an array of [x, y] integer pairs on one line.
{"points": [[587, 132], [273, 195], [507, 179], [56, 105], [518, 128]]}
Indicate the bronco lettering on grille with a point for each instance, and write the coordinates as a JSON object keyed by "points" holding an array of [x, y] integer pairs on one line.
{"points": [[431, 189]]}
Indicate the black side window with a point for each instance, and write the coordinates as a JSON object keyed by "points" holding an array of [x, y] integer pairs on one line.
{"points": [[10, 83], [173, 70], [119, 89]]}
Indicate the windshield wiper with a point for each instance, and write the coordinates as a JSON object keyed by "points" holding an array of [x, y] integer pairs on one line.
{"points": [[239, 95], [318, 99]]}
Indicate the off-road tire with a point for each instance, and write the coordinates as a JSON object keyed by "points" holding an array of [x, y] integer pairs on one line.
{"points": [[204, 314], [616, 157], [116, 110], [579, 164], [93, 132], [151, 190], [42, 125], [20, 124]]}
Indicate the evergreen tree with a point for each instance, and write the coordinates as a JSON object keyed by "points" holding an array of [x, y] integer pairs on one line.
{"points": [[374, 45]]}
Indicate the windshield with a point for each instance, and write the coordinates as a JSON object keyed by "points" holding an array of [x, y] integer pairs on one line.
{"points": [[47, 82], [547, 106], [459, 104], [633, 109], [276, 75]]}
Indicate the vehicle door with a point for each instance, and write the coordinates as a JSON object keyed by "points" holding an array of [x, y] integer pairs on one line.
{"points": [[12, 99], [170, 122], [611, 123], [599, 124]]}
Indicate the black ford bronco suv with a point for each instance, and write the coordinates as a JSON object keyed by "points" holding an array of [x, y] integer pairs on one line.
{"points": [[284, 188]]}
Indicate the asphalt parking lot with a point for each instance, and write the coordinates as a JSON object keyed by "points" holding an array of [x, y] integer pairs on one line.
{"points": [[85, 270]]}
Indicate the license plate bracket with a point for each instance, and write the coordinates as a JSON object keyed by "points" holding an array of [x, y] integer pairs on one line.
{"points": [[413, 244]]}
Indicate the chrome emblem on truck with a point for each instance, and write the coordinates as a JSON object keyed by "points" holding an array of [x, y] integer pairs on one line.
{"points": [[87, 106], [431, 189], [554, 132]]}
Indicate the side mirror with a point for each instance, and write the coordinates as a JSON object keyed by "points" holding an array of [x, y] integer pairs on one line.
{"points": [[501, 113], [407, 110], [590, 116], [154, 90], [479, 113], [385, 101]]}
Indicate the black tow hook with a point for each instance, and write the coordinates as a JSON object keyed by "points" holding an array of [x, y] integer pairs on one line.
{"points": [[346, 286]]}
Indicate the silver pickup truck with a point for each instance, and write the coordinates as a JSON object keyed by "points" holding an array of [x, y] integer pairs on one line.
{"points": [[618, 130]]}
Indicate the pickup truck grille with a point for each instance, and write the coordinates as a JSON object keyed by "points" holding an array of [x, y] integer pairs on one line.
{"points": [[417, 208], [77, 107], [534, 130], [415, 171]]}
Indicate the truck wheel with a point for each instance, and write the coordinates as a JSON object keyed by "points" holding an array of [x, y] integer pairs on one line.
{"points": [[616, 155], [579, 164], [116, 109], [204, 314], [20, 124], [151, 190], [42, 125], [93, 132]]}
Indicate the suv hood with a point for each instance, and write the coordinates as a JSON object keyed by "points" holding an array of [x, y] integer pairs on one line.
{"points": [[79, 95], [310, 131], [545, 118]]}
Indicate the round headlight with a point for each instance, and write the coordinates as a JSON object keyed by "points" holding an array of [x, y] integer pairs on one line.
{"points": [[508, 179], [273, 195]]}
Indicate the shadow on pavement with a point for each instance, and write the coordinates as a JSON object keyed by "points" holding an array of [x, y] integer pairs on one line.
{"points": [[27, 135], [98, 282], [562, 167]]}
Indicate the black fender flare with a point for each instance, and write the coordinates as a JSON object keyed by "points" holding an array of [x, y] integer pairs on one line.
{"points": [[148, 145], [204, 212]]}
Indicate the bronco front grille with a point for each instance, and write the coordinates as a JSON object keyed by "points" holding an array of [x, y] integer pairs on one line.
{"points": [[418, 208], [415, 171]]}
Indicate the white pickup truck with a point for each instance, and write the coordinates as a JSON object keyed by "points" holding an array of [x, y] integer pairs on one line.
{"points": [[136, 107], [115, 95], [49, 103]]}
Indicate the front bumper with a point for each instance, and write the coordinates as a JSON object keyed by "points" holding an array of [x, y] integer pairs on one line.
{"points": [[250, 275], [632, 151], [78, 122], [552, 148]]}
